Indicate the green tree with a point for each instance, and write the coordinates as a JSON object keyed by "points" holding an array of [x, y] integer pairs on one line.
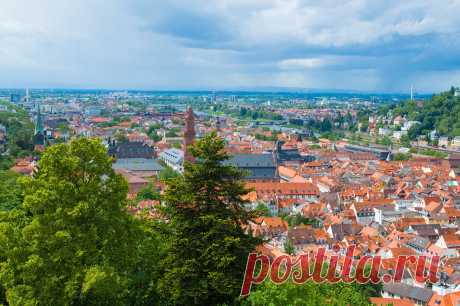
{"points": [[402, 156], [308, 294], [71, 242], [263, 210], [121, 137], [289, 247], [10, 191], [207, 245], [148, 193], [152, 132], [167, 173], [405, 141]]}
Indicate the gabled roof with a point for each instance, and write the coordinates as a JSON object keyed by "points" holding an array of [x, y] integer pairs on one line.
{"points": [[406, 291], [137, 164], [252, 161]]}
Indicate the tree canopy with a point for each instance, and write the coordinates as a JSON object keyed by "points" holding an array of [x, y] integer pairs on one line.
{"points": [[308, 294], [72, 242], [441, 112]]}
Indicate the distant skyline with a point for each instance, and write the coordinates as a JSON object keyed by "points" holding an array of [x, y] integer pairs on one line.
{"points": [[366, 46]]}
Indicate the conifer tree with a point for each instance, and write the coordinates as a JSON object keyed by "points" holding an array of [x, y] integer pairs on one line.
{"points": [[207, 243]]}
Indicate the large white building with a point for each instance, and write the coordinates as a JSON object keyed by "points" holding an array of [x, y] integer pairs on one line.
{"points": [[174, 158]]}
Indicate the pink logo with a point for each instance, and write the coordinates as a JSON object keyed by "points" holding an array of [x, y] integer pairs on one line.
{"points": [[297, 268]]}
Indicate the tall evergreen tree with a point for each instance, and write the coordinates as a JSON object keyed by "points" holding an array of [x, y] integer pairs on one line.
{"points": [[207, 245]]}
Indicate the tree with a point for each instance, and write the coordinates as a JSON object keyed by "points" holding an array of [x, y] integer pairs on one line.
{"points": [[167, 173], [71, 242], [405, 141], [121, 137], [148, 193], [263, 210], [207, 245], [308, 294], [326, 125], [153, 134], [289, 247], [10, 191], [298, 219], [402, 156]]}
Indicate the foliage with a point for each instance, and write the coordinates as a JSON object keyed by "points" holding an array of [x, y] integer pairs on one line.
{"points": [[386, 141], [258, 114], [148, 193], [272, 137], [289, 247], [207, 247], [263, 210], [167, 174], [308, 294], [6, 162], [72, 240], [121, 137], [434, 153], [298, 219], [441, 112], [152, 133], [402, 156], [20, 130], [334, 136], [10, 191]]}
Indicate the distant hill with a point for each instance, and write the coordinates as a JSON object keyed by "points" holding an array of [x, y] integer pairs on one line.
{"points": [[441, 112]]}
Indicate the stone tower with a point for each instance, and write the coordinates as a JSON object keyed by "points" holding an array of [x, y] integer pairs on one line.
{"points": [[189, 133]]}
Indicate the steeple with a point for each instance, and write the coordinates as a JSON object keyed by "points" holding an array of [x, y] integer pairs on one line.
{"points": [[38, 121], [39, 138], [189, 133]]}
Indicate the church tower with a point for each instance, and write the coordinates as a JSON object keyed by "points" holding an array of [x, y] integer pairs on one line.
{"points": [[189, 133], [39, 137]]}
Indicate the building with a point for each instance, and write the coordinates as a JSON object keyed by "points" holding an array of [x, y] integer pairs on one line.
{"points": [[141, 167], [291, 155], [15, 98], [456, 142], [260, 167], [131, 150], [189, 133], [93, 111], [174, 158], [443, 141], [420, 296], [379, 153]]}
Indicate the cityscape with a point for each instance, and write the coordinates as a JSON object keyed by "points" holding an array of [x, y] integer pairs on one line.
{"points": [[230, 153]]}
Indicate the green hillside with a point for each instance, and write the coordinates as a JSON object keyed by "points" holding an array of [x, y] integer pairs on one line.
{"points": [[441, 112]]}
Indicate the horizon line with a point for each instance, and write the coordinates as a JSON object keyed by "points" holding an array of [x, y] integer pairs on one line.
{"points": [[261, 89]]}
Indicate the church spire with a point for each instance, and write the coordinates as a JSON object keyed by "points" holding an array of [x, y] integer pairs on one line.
{"points": [[189, 133], [38, 121], [39, 137]]}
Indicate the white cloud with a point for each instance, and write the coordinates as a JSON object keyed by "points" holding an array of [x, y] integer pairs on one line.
{"points": [[359, 44], [301, 63]]}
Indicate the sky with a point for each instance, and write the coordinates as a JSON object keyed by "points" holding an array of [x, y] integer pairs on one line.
{"points": [[365, 45]]}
